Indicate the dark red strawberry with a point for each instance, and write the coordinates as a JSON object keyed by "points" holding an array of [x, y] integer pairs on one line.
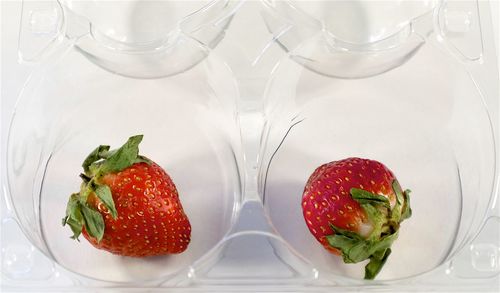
{"points": [[353, 207], [128, 205]]}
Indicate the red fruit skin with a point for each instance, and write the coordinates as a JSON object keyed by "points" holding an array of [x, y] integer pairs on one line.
{"points": [[327, 199], [151, 220]]}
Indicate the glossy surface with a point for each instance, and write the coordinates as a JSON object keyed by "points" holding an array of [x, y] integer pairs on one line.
{"points": [[151, 220], [327, 199]]}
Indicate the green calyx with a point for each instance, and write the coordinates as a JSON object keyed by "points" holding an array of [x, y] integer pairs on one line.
{"points": [[98, 163], [386, 221]]}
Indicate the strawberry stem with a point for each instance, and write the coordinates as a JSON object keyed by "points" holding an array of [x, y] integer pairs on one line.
{"points": [[85, 178], [377, 261], [386, 222], [98, 163]]}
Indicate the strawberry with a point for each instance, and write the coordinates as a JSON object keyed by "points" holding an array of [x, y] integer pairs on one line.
{"points": [[127, 204], [354, 207]]}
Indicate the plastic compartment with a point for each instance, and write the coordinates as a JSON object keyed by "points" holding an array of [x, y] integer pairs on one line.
{"points": [[437, 140], [412, 87], [189, 126], [181, 118], [328, 100], [349, 39]]}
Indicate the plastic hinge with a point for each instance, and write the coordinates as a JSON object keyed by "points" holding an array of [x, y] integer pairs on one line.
{"points": [[41, 28], [458, 26], [481, 259], [20, 260]]}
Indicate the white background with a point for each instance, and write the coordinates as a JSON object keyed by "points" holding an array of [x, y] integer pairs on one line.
{"points": [[13, 75]]}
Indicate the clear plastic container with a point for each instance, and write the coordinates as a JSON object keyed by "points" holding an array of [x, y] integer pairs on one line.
{"points": [[188, 119], [437, 139], [412, 84]]}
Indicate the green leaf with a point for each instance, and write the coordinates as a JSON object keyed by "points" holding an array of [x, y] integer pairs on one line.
{"points": [[406, 207], [64, 220], [385, 242], [376, 247], [344, 244], [346, 233], [94, 223], [376, 218], [353, 247], [94, 156], [123, 157], [85, 178], [357, 250], [103, 192], [74, 218], [107, 154], [396, 211], [361, 251], [143, 159], [377, 261], [398, 191], [366, 197]]}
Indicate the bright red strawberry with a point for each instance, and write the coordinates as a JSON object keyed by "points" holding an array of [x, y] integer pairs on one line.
{"points": [[353, 207], [128, 205]]}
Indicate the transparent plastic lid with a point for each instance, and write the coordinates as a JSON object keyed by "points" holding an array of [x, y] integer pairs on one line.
{"points": [[350, 39], [142, 39], [401, 82]]}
